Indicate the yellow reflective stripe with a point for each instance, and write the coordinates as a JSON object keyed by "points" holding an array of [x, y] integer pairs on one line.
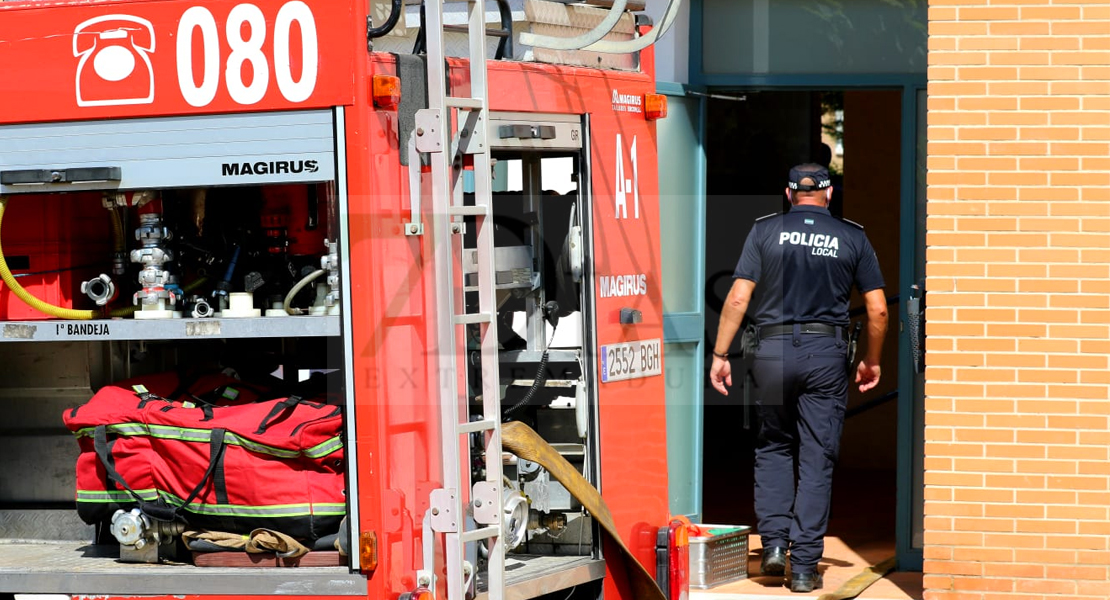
{"points": [[106, 496], [203, 436], [278, 510]]}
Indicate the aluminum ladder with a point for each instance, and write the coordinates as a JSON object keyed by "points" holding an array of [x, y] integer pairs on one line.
{"points": [[451, 128]]}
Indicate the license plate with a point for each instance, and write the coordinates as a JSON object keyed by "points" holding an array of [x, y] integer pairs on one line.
{"points": [[631, 360]]}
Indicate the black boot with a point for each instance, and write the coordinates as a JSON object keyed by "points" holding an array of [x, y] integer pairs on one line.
{"points": [[774, 561], [805, 582]]}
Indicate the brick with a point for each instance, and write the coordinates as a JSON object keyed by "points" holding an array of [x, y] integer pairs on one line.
{"points": [[1079, 88], [989, 13], [1055, 467], [991, 163], [1049, 133], [1048, 285], [1033, 315], [1081, 58], [996, 43], [1079, 118], [959, 118], [1018, 28], [1023, 148], [1019, 58], [1046, 526], [1080, 331], [1092, 557], [1078, 422], [1078, 28], [1011, 571], [1098, 149], [1046, 437], [1048, 194], [1052, 73], [1051, 13], [1078, 362], [1079, 513], [1047, 43], [957, 88], [1068, 346], [1078, 482], [1044, 497], [1014, 450], [946, 450], [1095, 133], [1014, 540], [985, 344], [984, 584], [1044, 586], [1050, 163], [1045, 556], [957, 58], [1018, 88], [1049, 103], [996, 133], [1026, 511], [953, 479], [1028, 361], [1050, 406], [961, 149], [1078, 453], [1016, 391], [989, 103], [1050, 224]]}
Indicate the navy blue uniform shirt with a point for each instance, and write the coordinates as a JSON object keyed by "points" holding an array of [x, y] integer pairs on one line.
{"points": [[804, 263]]}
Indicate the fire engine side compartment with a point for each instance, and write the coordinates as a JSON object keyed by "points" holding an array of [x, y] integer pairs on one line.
{"points": [[396, 361]]}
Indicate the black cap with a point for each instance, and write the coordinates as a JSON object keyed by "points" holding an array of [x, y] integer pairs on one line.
{"points": [[818, 175]]}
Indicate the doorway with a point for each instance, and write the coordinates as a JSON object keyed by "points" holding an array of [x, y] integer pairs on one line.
{"points": [[753, 139]]}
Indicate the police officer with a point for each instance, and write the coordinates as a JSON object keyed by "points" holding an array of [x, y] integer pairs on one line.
{"points": [[805, 263]]}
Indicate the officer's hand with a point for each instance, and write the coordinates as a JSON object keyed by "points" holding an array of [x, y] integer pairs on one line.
{"points": [[867, 375], [721, 374]]}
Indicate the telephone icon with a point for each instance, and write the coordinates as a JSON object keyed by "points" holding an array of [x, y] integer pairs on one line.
{"points": [[114, 67]]}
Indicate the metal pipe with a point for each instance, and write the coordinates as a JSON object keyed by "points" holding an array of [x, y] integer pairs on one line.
{"points": [[395, 10], [616, 11], [634, 45]]}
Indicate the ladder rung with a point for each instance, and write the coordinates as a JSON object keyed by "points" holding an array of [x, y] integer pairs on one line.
{"points": [[476, 426], [473, 318], [480, 534], [459, 102], [480, 210]]}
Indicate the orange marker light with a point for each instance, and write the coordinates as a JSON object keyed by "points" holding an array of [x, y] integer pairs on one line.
{"points": [[367, 551], [655, 106], [387, 91]]}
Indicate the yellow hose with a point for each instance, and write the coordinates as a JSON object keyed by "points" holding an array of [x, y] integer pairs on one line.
{"points": [[26, 297]]}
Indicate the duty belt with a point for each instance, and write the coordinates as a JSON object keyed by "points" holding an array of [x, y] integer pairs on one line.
{"points": [[812, 328]]}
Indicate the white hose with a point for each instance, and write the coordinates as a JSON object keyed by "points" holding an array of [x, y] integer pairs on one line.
{"points": [[288, 304]]}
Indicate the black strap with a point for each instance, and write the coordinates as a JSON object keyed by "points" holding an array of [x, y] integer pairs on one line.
{"points": [[215, 458], [104, 453], [159, 510], [219, 478], [278, 408]]}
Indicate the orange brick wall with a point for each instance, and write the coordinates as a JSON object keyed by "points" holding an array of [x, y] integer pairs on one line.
{"points": [[1017, 498]]}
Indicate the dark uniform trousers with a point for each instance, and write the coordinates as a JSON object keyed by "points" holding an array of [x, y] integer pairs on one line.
{"points": [[801, 385]]}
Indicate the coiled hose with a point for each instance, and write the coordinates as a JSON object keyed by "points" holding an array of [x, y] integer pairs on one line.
{"points": [[26, 297]]}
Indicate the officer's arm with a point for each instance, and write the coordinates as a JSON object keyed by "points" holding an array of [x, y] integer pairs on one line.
{"points": [[875, 300], [733, 314]]}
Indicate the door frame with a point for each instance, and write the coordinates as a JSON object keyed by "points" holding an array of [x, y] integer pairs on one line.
{"points": [[911, 250]]}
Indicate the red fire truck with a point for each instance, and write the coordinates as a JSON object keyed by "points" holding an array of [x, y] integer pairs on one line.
{"points": [[246, 189]]}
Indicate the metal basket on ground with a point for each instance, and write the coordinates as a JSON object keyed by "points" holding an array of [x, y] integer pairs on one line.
{"points": [[718, 555]]}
